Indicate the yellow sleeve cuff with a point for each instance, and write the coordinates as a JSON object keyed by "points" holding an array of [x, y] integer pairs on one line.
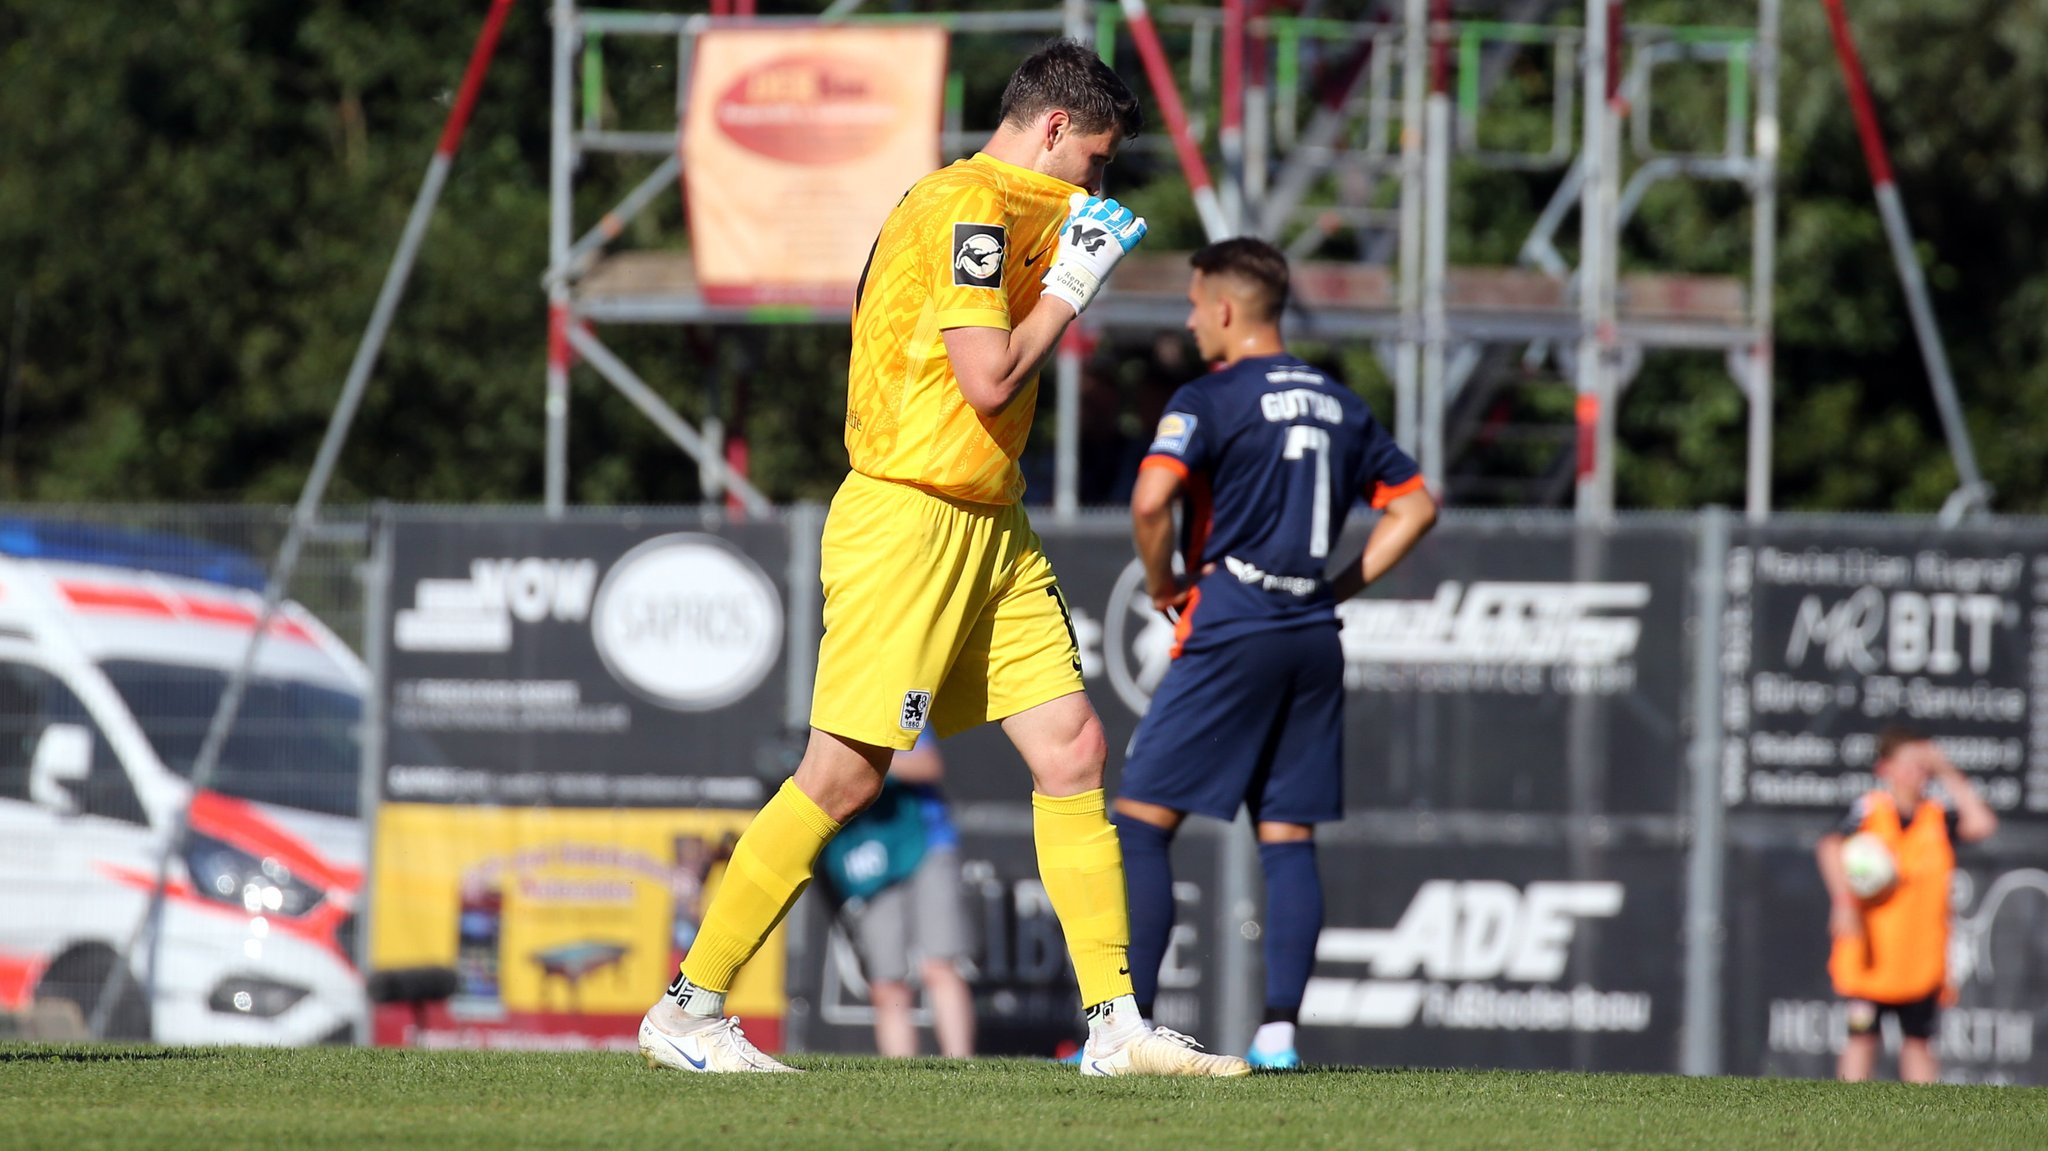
{"points": [[974, 318]]}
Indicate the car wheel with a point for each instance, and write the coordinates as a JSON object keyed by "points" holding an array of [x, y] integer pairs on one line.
{"points": [[81, 977]]}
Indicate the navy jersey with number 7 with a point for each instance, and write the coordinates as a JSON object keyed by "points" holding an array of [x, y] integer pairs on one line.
{"points": [[1273, 455]]}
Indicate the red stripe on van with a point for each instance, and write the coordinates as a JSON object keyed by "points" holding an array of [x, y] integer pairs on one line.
{"points": [[18, 975], [239, 823], [235, 615], [318, 926], [100, 597], [218, 611], [138, 601]]}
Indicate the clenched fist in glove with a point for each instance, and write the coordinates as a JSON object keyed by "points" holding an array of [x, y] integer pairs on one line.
{"points": [[1097, 234]]}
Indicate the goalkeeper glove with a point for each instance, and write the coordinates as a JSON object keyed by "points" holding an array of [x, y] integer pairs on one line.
{"points": [[1097, 234]]}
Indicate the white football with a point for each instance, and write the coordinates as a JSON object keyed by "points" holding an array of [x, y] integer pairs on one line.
{"points": [[1869, 864]]}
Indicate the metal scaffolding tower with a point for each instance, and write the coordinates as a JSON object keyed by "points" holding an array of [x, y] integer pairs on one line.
{"points": [[1398, 102]]}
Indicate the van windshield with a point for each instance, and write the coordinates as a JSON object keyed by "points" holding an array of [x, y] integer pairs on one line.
{"points": [[294, 743]]}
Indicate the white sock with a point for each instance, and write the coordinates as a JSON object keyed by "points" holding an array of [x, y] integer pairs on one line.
{"points": [[696, 1001], [1273, 1038], [1115, 1022]]}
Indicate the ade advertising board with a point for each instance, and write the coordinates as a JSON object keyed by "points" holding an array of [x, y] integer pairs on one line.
{"points": [[575, 713], [1497, 957]]}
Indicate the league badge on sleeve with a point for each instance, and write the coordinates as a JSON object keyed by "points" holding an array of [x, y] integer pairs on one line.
{"points": [[978, 255], [1175, 430]]}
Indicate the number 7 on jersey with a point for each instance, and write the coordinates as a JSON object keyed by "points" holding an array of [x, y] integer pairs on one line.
{"points": [[1303, 440]]}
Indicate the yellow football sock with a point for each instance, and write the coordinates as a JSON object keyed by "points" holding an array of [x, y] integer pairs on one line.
{"points": [[770, 866], [1082, 866]]}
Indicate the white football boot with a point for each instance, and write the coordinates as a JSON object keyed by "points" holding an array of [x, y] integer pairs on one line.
{"points": [[717, 1046], [1157, 1051]]}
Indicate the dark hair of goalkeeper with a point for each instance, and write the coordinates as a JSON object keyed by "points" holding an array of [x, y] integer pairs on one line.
{"points": [[1068, 76]]}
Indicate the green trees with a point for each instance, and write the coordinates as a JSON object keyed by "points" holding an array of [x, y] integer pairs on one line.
{"points": [[199, 203], [1962, 90]]}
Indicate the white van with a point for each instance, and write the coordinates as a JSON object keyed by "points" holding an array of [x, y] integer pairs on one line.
{"points": [[114, 650]]}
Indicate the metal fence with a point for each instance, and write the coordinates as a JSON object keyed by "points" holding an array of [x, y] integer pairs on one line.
{"points": [[1585, 771]]}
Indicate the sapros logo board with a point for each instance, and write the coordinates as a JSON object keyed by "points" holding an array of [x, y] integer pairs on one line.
{"points": [[688, 622]]}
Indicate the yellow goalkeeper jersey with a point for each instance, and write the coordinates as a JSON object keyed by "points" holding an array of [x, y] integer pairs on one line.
{"points": [[967, 247]]}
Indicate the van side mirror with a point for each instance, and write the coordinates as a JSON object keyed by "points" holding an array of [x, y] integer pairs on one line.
{"points": [[63, 756]]}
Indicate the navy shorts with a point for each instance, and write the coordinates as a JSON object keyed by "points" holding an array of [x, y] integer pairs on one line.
{"points": [[1256, 721]]}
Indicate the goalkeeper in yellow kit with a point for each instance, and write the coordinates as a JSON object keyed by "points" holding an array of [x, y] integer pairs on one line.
{"points": [[941, 610]]}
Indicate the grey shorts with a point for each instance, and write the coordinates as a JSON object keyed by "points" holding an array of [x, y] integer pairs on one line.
{"points": [[922, 918]]}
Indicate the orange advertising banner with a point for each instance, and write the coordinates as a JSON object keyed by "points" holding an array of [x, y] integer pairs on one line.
{"points": [[796, 144]]}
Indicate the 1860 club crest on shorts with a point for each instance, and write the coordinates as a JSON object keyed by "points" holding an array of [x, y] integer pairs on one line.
{"points": [[917, 707]]}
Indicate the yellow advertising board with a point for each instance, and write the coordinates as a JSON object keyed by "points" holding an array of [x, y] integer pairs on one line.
{"points": [[796, 144], [562, 924]]}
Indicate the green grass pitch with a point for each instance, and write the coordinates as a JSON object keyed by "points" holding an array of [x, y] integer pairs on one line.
{"points": [[76, 1098]]}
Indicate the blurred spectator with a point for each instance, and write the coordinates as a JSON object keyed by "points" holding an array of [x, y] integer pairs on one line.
{"points": [[1891, 948], [896, 870]]}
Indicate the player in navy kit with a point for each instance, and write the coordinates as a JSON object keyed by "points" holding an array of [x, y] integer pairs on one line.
{"points": [[1267, 457]]}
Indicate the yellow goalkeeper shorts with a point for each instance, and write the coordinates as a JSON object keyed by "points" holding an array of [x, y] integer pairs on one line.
{"points": [[938, 613]]}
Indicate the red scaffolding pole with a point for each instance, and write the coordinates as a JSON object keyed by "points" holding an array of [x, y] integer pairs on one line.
{"points": [[1971, 492], [1167, 91]]}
